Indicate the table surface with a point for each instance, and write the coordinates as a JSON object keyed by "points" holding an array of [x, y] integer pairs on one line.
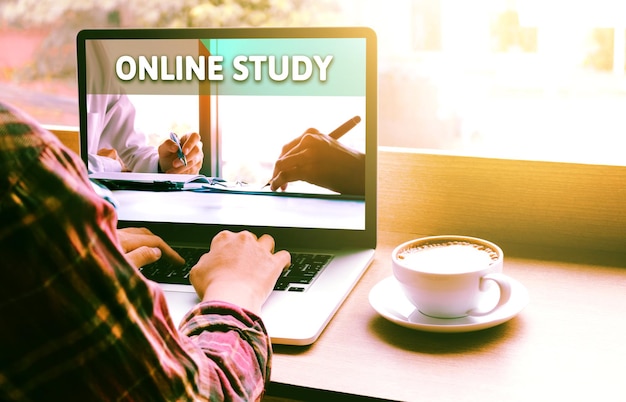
{"points": [[569, 343]]}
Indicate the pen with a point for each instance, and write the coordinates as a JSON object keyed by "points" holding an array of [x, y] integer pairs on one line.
{"points": [[344, 128], [338, 132], [181, 155]]}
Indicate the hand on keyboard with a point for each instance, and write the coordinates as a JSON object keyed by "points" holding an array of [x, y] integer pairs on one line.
{"points": [[240, 269], [142, 247]]}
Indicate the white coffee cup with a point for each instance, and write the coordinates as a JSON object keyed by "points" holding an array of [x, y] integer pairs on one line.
{"points": [[450, 276]]}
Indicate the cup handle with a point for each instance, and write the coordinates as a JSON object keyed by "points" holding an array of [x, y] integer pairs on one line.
{"points": [[503, 283]]}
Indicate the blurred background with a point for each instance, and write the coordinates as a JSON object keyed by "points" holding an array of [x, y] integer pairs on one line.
{"points": [[526, 79]]}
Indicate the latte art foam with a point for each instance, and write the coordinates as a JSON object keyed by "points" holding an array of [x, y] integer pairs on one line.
{"points": [[448, 257]]}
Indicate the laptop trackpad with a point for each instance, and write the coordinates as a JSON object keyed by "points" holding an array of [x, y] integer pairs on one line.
{"points": [[179, 303]]}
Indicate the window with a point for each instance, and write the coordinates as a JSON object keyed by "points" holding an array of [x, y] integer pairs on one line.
{"points": [[512, 79]]}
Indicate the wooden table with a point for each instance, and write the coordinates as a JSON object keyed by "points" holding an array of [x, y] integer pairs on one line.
{"points": [[568, 344]]}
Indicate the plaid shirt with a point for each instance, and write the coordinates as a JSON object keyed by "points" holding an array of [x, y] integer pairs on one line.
{"points": [[77, 321]]}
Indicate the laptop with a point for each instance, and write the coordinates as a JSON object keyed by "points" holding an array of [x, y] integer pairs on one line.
{"points": [[247, 92]]}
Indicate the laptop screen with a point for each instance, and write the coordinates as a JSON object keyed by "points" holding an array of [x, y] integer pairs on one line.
{"points": [[254, 96]]}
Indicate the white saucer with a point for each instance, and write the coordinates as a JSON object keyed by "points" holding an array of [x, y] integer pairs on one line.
{"points": [[388, 299]]}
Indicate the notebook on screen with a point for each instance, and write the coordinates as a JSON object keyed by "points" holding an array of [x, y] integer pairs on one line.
{"points": [[247, 92]]}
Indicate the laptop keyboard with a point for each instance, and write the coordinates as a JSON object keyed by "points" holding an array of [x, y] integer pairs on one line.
{"points": [[297, 277]]}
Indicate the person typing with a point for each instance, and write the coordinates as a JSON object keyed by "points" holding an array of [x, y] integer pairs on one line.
{"points": [[79, 322]]}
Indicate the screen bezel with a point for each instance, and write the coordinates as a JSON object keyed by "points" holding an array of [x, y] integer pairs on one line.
{"points": [[286, 237]]}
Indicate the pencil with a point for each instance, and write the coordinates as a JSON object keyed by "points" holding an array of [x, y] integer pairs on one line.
{"points": [[345, 127]]}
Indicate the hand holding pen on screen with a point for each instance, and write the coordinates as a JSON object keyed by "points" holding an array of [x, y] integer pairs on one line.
{"points": [[321, 160], [182, 155]]}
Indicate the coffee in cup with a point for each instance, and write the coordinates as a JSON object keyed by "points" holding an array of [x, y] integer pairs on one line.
{"points": [[449, 276]]}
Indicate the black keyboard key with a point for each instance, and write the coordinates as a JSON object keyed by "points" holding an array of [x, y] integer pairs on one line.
{"points": [[281, 284]]}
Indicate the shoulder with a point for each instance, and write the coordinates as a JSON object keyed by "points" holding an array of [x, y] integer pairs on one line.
{"points": [[21, 133]]}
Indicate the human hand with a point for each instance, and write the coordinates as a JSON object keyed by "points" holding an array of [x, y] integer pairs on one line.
{"points": [[321, 160], [192, 148], [142, 247], [112, 154], [240, 269]]}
